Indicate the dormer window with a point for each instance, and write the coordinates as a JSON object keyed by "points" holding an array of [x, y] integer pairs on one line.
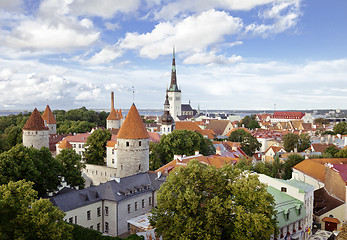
{"points": [[283, 189]]}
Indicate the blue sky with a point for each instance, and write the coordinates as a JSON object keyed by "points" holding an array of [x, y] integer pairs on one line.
{"points": [[230, 54]]}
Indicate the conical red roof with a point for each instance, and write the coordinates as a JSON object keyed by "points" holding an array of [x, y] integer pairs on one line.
{"points": [[48, 116], [35, 122], [65, 144], [113, 115], [133, 127]]}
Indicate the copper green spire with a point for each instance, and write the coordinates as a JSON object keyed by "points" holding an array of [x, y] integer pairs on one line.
{"points": [[173, 84]]}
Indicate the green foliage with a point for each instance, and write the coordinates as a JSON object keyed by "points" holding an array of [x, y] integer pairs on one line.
{"points": [[95, 152], [81, 233], [331, 151], [31, 164], [14, 135], [340, 128], [154, 156], [249, 122], [202, 202], [71, 167], [4, 145], [321, 121], [21, 217], [292, 141], [180, 142], [341, 154], [292, 160], [249, 143]]}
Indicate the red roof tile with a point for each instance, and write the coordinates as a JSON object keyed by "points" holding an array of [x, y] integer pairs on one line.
{"points": [[64, 144], [133, 127], [113, 115], [48, 116], [35, 122]]}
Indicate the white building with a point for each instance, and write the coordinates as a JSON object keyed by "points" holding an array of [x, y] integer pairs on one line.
{"points": [[35, 133]]}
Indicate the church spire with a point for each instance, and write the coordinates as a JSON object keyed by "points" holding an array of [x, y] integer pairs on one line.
{"points": [[173, 84]]}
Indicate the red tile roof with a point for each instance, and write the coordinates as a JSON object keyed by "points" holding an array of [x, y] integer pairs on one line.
{"points": [[48, 116], [320, 147], [81, 137], [64, 144], [289, 115], [113, 115], [133, 127], [35, 122]]}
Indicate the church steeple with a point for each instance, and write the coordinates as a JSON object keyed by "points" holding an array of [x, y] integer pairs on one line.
{"points": [[173, 84]]}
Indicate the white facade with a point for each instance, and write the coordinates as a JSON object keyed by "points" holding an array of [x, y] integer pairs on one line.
{"points": [[36, 138], [81, 216], [300, 176], [99, 174], [175, 104]]}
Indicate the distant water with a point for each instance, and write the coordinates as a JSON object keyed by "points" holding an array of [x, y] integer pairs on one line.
{"points": [[6, 113]]}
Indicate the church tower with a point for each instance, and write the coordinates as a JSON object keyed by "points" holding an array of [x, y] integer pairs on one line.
{"points": [[49, 120], [115, 118], [167, 122], [35, 133], [174, 92], [132, 146]]}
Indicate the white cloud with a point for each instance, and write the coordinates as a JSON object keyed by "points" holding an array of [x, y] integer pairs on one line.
{"points": [[12, 5], [210, 58], [106, 55], [183, 7], [112, 26], [103, 8], [194, 32]]}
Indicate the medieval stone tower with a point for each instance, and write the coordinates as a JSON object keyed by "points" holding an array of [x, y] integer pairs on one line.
{"points": [[35, 133], [174, 92], [132, 146], [115, 118], [167, 122], [49, 120]]}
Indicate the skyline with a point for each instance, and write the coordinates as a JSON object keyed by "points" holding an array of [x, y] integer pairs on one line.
{"points": [[230, 55]]}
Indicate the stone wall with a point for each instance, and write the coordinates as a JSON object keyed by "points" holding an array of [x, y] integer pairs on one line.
{"points": [[99, 174], [132, 156], [36, 139], [113, 124]]}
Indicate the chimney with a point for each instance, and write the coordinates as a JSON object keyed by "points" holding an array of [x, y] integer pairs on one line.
{"points": [[112, 100], [196, 153], [117, 179], [178, 157]]}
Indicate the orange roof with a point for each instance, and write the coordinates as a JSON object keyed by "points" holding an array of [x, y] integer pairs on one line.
{"points": [[48, 116], [113, 115], [81, 137], [111, 143], [35, 122], [187, 125], [120, 115], [64, 144], [133, 127], [274, 148], [213, 160], [315, 167], [330, 219], [234, 129]]}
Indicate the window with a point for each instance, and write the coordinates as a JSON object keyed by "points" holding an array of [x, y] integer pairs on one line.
{"points": [[98, 210], [283, 189], [129, 208], [121, 167], [98, 227], [79, 145], [150, 201], [88, 215], [71, 220], [112, 151], [143, 203], [139, 167], [135, 206], [75, 219], [91, 227], [128, 226], [106, 227], [139, 143], [127, 144], [106, 211], [112, 161]]}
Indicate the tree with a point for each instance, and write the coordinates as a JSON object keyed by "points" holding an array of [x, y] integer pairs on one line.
{"points": [[249, 122], [21, 217], [14, 136], [71, 167], [321, 121], [202, 202], [292, 160], [340, 128], [304, 142], [31, 164], [290, 141], [154, 156], [181, 142], [95, 152], [4, 145], [330, 151], [249, 143], [341, 154]]}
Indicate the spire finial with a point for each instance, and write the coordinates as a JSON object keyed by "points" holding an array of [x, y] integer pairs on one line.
{"points": [[173, 51], [133, 93]]}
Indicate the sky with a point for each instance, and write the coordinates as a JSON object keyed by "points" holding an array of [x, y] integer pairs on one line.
{"points": [[230, 54]]}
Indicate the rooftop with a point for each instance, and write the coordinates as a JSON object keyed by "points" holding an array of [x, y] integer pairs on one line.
{"points": [[35, 122]]}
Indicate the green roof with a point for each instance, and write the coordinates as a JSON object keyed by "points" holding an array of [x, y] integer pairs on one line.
{"points": [[303, 187], [289, 209]]}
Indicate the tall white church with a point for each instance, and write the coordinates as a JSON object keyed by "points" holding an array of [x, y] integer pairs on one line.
{"points": [[174, 93]]}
